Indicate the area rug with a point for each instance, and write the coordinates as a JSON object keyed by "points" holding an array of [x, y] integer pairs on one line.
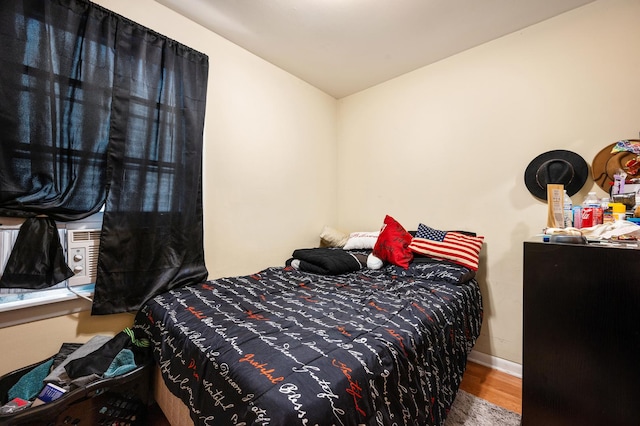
{"points": [[469, 410]]}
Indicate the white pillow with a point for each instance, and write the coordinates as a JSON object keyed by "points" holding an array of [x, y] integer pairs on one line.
{"points": [[361, 240]]}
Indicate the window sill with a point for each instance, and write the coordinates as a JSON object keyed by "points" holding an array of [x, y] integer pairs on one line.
{"points": [[52, 304]]}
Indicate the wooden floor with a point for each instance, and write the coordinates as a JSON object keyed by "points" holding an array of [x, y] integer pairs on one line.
{"points": [[495, 386]]}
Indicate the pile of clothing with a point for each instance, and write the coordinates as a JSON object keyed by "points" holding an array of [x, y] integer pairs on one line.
{"points": [[78, 364], [620, 229]]}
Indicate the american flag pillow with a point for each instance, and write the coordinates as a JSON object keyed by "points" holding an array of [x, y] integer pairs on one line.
{"points": [[447, 245]]}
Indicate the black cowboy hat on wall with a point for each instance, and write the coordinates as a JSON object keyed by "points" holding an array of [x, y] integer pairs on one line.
{"points": [[556, 167]]}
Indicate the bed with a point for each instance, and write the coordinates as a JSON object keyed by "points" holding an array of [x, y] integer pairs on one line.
{"points": [[286, 346]]}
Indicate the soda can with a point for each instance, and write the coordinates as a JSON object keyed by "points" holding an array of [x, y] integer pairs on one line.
{"points": [[588, 216]]}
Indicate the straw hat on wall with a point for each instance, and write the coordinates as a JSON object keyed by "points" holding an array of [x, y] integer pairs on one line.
{"points": [[608, 162]]}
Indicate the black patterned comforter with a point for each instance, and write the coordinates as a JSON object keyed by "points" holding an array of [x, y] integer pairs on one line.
{"points": [[285, 347]]}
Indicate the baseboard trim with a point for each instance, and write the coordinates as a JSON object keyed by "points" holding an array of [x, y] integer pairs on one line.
{"points": [[496, 363]]}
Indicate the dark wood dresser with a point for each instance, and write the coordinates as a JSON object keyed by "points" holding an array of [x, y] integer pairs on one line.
{"points": [[581, 337]]}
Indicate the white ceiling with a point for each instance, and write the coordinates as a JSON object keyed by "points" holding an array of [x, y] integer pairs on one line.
{"points": [[344, 46]]}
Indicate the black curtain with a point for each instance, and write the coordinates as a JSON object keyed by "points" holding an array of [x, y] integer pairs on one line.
{"points": [[152, 230], [96, 108], [56, 80]]}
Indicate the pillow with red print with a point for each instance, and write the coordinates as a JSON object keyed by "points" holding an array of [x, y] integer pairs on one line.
{"points": [[393, 244]]}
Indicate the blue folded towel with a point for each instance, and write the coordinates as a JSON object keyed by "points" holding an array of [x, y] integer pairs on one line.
{"points": [[122, 363], [31, 383]]}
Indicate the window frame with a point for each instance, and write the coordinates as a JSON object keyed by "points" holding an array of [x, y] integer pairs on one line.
{"points": [[59, 302]]}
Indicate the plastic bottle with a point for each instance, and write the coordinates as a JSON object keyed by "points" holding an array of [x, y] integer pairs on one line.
{"points": [[567, 210], [591, 200]]}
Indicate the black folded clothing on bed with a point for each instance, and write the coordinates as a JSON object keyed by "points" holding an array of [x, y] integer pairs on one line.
{"points": [[326, 261]]}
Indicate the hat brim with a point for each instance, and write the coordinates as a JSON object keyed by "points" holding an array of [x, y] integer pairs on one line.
{"points": [[606, 163], [580, 169]]}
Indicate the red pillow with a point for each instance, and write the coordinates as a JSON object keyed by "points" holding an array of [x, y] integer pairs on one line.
{"points": [[393, 244]]}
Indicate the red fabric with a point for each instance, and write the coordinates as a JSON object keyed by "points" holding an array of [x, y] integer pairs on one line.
{"points": [[393, 244]]}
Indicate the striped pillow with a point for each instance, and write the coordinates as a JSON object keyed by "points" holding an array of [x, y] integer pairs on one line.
{"points": [[452, 246]]}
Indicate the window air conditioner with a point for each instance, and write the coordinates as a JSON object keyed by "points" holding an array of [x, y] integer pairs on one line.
{"points": [[82, 255]]}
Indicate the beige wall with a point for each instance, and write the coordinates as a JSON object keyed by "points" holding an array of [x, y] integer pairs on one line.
{"points": [[448, 144]]}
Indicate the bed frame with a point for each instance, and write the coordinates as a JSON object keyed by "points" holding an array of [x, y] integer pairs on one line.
{"points": [[173, 408]]}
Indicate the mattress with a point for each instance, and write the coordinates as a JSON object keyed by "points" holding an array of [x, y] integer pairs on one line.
{"points": [[287, 347]]}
